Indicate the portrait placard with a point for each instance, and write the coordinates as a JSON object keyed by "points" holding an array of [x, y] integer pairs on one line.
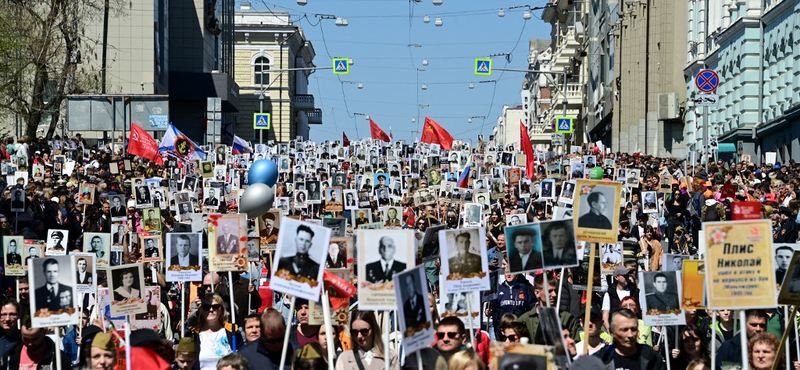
{"points": [[56, 242], [649, 202], [524, 247], [17, 200], [297, 267], [53, 282], [340, 252], [464, 260], [455, 304], [151, 246], [32, 249], [559, 247], [739, 268], [567, 192], [150, 319], [415, 317], [184, 262], [790, 286], [98, 245], [659, 291], [381, 255], [126, 284], [596, 213], [226, 243], [85, 273], [13, 246]]}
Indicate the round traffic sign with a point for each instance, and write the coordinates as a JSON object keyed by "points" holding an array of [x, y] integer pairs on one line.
{"points": [[706, 80]]}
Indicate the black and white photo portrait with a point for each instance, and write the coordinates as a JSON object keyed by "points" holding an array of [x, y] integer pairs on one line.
{"points": [[661, 291], [118, 211], [350, 199], [18, 200], [338, 226], [227, 237], [85, 273], [57, 242], [567, 192], [98, 244], [524, 246], [547, 189], [649, 202], [790, 285], [464, 266], [674, 262], [300, 254], [411, 293], [183, 257], [13, 246], [337, 254], [152, 247], [126, 286], [783, 257], [53, 282], [143, 197], [597, 210], [558, 243], [387, 265]]}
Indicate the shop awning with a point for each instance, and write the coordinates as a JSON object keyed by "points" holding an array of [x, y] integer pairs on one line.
{"points": [[726, 148]]}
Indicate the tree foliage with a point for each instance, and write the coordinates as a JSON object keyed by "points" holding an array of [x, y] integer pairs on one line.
{"points": [[40, 48]]}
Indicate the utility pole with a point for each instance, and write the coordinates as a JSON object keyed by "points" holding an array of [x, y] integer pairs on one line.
{"points": [[105, 47]]}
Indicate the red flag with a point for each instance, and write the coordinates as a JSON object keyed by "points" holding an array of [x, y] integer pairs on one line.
{"points": [[432, 133], [527, 148], [345, 140], [377, 133], [142, 144]]}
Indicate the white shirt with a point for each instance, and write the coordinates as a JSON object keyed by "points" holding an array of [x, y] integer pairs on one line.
{"points": [[607, 300], [388, 263], [183, 261], [214, 347]]}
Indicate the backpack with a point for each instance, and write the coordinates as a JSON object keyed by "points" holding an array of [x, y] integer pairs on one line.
{"points": [[713, 213]]}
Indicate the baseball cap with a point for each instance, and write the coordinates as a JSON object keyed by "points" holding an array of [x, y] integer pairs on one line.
{"points": [[622, 270]]}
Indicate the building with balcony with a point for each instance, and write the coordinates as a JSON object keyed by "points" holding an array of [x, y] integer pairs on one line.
{"points": [[536, 95], [750, 44], [567, 79], [268, 43], [600, 54], [649, 87]]}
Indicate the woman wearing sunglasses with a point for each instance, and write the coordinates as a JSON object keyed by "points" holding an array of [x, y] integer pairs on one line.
{"points": [[365, 339], [213, 340]]}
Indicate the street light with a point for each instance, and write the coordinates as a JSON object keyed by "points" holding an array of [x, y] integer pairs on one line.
{"points": [[527, 14], [438, 22], [426, 19], [501, 13], [302, 2], [424, 86], [437, 2], [471, 85], [342, 22], [425, 62]]}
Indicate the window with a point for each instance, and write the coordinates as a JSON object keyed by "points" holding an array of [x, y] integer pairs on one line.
{"points": [[261, 71]]}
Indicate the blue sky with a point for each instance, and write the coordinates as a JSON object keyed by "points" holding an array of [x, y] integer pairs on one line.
{"points": [[377, 39]]}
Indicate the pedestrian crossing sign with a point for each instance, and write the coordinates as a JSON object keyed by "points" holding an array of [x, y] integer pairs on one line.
{"points": [[262, 121], [483, 67], [341, 66], [564, 125]]}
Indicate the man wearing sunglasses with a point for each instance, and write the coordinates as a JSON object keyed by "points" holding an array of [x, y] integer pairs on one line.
{"points": [[450, 336]]}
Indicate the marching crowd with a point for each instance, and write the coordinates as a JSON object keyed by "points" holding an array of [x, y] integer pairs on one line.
{"points": [[615, 336]]}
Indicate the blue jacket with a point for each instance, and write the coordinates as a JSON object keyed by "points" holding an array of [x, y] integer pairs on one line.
{"points": [[515, 298], [260, 359]]}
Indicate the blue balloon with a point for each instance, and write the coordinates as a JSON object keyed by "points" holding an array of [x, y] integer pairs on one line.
{"points": [[263, 171]]}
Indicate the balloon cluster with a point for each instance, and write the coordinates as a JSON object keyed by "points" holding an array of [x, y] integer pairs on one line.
{"points": [[259, 196]]}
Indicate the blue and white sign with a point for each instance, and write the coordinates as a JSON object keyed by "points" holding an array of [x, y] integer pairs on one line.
{"points": [[157, 122], [262, 121], [341, 66], [483, 67], [564, 125]]}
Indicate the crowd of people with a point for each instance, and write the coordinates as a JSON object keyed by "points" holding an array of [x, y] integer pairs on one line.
{"points": [[234, 321]]}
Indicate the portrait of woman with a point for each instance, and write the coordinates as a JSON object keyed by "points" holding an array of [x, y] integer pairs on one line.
{"points": [[127, 288]]}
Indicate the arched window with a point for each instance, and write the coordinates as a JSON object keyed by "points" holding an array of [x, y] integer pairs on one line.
{"points": [[261, 71]]}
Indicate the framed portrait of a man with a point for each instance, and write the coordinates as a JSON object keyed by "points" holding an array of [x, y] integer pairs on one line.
{"points": [[381, 255], [414, 314], [567, 192], [790, 285], [151, 248], [13, 247], [17, 200], [596, 212], [52, 280], [299, 257], [340, 251], [183, 257], [660, 291], [464, 262], [151, 219], [118, 210], [649, 202], [226, 249], [524, 248], [57, 242], [338, 226], [85, 273], [98, 244], [559, 247]]}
